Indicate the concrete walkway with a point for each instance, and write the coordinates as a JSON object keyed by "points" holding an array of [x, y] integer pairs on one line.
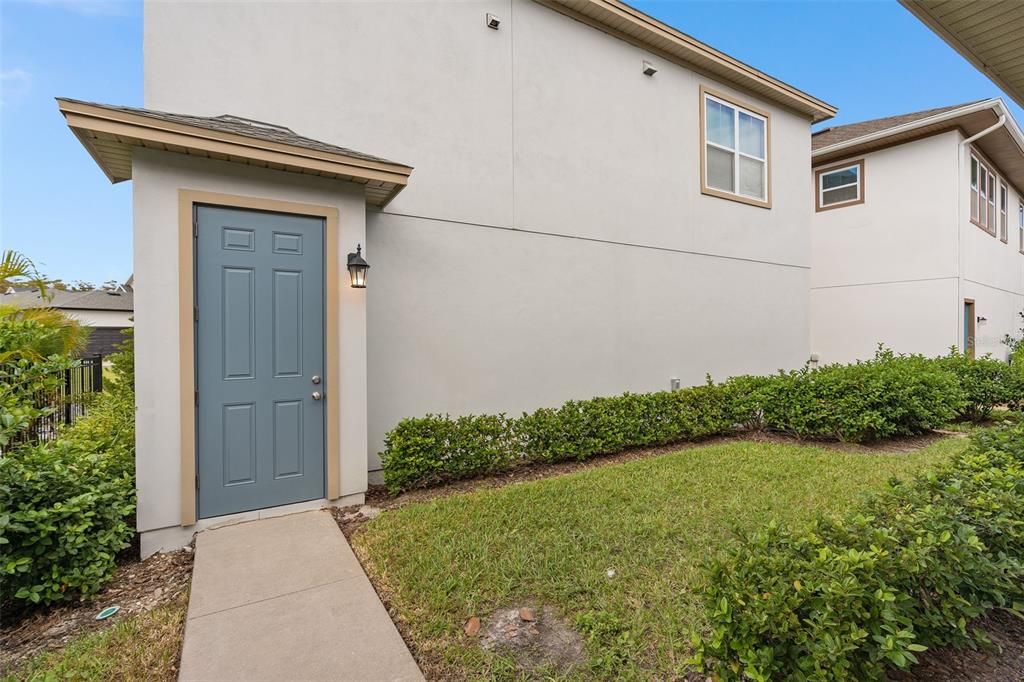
{"points": [[286, 599]]}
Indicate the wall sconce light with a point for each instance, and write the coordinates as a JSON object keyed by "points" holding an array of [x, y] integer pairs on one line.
{"points": [[493, 21], [982, 319], [649, 69], [357, 268]]}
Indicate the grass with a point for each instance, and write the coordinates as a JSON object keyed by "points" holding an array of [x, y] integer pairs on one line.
{"points": [[143, 647], [654, 522]]}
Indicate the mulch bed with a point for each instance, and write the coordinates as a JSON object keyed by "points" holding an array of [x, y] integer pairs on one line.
{"points": [[137, 586], [1002, 663]]}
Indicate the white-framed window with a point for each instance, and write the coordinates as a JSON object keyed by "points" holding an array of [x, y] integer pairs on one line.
{"points": [[840, 186], [1004, 218], [1020, 226], [983, 196], [736, 154]]}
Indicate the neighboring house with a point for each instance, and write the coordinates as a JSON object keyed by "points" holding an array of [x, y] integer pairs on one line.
{"points": [[106, 313], [599, 204], [918, 238]]}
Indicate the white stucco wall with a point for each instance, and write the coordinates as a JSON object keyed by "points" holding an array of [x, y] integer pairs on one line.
{"points": [[157, 179], [992, 272], [897, 268], [553, 242]]}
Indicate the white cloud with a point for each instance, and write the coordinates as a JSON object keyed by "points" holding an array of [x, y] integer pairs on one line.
{"points": [[14, 85]]}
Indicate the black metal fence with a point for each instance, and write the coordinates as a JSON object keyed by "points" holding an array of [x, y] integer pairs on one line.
{"points": [[67, 402]]}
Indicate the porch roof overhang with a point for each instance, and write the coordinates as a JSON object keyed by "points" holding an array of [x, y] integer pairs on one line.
{"points": [[111, 134], [1004, 146]]}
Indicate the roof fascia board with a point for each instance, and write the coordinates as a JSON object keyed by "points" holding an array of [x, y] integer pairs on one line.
{"points": [[995, 104], [148, 128], [796, 99]]}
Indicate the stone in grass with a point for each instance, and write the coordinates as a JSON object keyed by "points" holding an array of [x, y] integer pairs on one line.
{"points": [[543, 641], [472, 626]]}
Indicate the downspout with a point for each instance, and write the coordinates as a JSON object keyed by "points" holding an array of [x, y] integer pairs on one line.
{"points": [[959, 233]]}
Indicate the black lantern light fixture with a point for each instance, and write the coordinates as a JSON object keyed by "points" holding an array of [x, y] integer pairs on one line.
{"points": [[357, 268]]}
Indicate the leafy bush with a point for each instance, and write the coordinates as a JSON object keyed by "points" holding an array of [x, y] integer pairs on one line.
{"points": [[21, 381], [887, 396], [890, 395], [986, 382], [907, 571], [64, 521], [65, 506], [436, 448], [585, 428]]}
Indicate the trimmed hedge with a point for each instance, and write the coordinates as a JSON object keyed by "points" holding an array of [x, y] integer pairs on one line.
{"points": [[890, 395], [907, 571]]}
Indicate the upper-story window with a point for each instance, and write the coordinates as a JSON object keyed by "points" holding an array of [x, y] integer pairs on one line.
{"points": [[735, 159], [983, 196], [840, 186], [1004, 218], [1020, 226]]}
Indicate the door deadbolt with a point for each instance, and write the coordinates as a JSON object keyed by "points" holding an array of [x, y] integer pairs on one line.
{"points": [[316, 378]]}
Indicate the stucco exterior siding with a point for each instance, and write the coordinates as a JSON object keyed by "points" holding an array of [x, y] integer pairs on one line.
{"points": [[898, 268], [906, 229], [158, 177], [848, 322], [466, 319], [553, 242]]}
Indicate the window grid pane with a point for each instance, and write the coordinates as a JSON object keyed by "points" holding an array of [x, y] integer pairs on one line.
{"points": [[839, 195], [736, 150]]}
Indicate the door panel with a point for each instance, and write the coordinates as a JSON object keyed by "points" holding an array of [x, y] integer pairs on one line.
{"points": [[259, 342]]}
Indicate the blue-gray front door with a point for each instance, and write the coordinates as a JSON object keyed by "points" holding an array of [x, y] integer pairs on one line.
{"points": [[259, 359]]}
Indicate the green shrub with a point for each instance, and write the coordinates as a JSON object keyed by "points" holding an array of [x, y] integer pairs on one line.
{"points": [[986, 382], [890, 395], [907, 571], [64, 522], [22, 380], [581, 429], [437, 448], [65, 506]]}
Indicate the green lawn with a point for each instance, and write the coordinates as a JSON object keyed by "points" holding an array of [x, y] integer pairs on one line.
{"points": [[142, 648], [654, 522]]}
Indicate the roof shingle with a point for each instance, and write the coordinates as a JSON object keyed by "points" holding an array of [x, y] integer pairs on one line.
{"points": [[836, 134], [238, 125], [97, 299]]}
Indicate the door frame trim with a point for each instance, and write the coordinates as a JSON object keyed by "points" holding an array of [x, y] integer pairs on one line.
{"points": [[187, 199]]}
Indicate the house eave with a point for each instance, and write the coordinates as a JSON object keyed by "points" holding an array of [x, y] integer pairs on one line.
{"points": [[992, 51], [1005, 146], [627, 23], [111, 136]]}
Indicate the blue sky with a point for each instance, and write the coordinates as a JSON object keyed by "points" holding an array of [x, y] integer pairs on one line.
{"points": [[870, 59]]}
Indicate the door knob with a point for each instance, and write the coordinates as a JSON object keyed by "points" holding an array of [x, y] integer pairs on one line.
{"points": [[317, 395]]}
